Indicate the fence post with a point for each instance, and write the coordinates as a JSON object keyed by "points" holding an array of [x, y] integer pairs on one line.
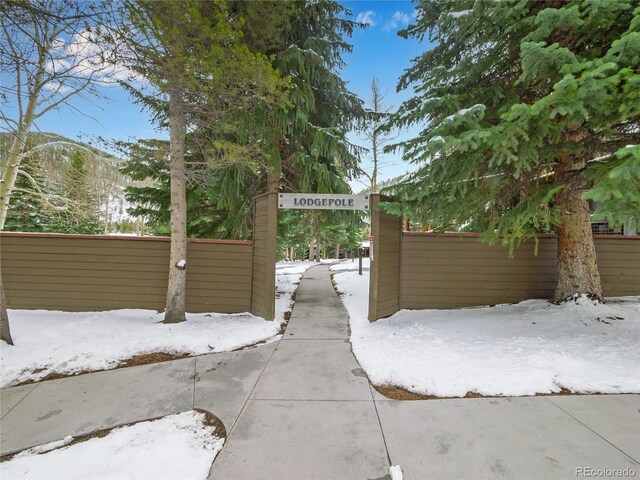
{"points": [[265, 232], [385, 251]]}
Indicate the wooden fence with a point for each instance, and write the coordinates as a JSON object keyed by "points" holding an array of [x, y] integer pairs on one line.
{"points": [[456, 270], [265, 227], [94, 273], [85, 273], [384, 287]]}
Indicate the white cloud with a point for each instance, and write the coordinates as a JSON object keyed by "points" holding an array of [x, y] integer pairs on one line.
{"points": [[399, 19], [81, 57], [367, 17]]}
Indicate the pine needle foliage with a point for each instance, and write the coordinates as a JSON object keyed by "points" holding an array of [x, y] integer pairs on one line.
{"points": [[518, 102], [300, 141]]}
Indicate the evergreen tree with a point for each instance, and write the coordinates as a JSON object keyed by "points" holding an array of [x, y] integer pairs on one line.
{"points": [[61, 186], [81, 214], [149, 161], [300, 145], [28, 211], [529, 109], [335, 231], [305, 145], [201, 73]]}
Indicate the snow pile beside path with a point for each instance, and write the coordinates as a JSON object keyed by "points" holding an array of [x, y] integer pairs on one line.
{"points": [[72, 342], [176, 446], [346, 265], [288, 276], [522, 349], [395, 472]]}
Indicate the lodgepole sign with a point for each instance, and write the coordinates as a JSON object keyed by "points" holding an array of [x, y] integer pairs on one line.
{"points": [[323, 201]]}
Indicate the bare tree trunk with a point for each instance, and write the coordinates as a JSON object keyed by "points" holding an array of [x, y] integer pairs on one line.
{"points": [[374, 145], [376, 142], [177, 288], [5, 331], [312, 245], [13, 163], [106, 216], [577, 265], [336, 253]]}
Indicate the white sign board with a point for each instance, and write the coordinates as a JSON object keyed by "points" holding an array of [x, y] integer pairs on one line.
{"points": [[323, 201]]}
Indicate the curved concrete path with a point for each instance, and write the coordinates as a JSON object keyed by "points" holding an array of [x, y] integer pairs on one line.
{"points": [[302, 408]]}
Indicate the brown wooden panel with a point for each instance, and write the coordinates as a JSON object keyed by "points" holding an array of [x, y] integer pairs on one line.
{"points": [[454, 271], [384, 281], [100, 273], [265, 222], [90, 284], [117, 237]]}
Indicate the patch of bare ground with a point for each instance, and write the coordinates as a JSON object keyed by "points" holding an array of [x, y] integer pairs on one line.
{"points": [[399, 393], [154, 357], [210, 420], [249, 347], [136, 360], [147, 358]]}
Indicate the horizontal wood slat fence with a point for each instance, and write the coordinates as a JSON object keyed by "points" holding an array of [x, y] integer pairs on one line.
{"points": [[95, 273], [85, 273], [455, 270]]}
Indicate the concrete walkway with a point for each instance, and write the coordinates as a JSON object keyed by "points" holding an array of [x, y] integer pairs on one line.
{"points": [[303, 409], [311, 414]]}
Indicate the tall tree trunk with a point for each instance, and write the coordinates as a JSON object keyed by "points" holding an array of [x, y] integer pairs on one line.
{"points": [[336, 253], [376, 100], [577, 265], [177, 288], [5, 331], [374, 174]]}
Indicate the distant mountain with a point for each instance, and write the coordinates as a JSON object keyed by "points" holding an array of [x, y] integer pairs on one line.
{"points": [[52, 154]]}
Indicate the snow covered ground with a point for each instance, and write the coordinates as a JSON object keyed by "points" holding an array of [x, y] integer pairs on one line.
{"points": [[521, 349], [345, 265], [177, 446], [71, 342]]}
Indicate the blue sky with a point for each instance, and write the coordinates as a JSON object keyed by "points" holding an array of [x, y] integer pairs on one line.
{"points": [[377, 51]]}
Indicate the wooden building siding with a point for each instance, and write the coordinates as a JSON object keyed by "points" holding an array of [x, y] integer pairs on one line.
{"points": [[93, 273], [450, 271], [384, 283], [265, 226]]}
